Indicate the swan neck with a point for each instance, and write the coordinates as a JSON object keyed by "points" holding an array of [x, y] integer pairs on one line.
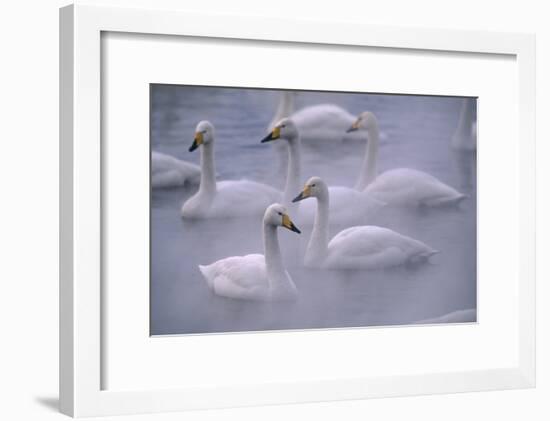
{"points": [[369, 168], [463, 136], [208, 169], [292, 186], [273, 261], [317, 248], [284, 109]]}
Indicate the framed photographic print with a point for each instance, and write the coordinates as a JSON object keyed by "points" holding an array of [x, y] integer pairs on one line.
{"points": [[261, 210]]}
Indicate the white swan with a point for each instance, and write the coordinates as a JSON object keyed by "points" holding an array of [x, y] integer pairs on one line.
{"points": [[361, 247], [225, 198], [402, 186], [321, 124], [255, 276], [347, 204], [459, 316], [316, 123], [465, 134], [167, 171]]}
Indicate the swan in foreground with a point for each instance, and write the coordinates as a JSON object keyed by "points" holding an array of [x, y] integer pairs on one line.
{"points": [[465, 134], [401, 186], [225, 198], [347, 204], [256, 276], [167, 171], [361, 247]]}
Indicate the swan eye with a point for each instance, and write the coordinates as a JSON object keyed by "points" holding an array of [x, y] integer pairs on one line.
{"points": [[280, 213], [313, 185], [283, 126]]}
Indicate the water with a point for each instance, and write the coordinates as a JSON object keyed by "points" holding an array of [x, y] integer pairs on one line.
{"points": [[416, 133]]}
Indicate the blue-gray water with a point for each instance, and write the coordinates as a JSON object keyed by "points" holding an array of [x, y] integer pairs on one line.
{"points": [[416, 133]]}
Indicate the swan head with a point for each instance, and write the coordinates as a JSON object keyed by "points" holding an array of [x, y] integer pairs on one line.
{"points": [[365, 121], [276, 215], [204, 134], [315, 187], [284, 129]]}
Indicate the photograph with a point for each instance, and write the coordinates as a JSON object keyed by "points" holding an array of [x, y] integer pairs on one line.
{"points": [[275, 210]]}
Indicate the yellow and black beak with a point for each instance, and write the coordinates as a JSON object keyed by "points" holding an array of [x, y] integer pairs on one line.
{"points": [[287, 223], [199, 140], [275, 134], [354, 126], [303, 195]]}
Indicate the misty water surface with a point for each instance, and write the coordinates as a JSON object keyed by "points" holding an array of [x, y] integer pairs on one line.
{"points": [[416, 133]]}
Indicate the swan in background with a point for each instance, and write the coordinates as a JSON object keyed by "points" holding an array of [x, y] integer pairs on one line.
{"points": [[459, 316], [347, 204], [465, 136], [316, 123], [401, 186], [284, 109], [256, 276], [167, 171], [225, 198], [320, 124], [360, 247]]}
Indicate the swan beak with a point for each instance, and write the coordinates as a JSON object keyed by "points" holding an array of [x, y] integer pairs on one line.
{"points": [[354, 127], [287, 223], [303, 195], [275, 134], [197, 141]]}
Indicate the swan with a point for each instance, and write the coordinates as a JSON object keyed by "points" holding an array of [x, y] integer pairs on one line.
{"points": [[459, 316], [167, 171], [465, 134], [360, 247], [401, 186], [320, 124], [316, 123], [230, 198], [347, 205], [255, 276]]}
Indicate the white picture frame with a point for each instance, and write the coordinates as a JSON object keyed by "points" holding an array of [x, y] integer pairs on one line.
{"points": [[82, 392]]}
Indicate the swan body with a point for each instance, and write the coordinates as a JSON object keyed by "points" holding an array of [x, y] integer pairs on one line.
{"points": [[167, 171], [465, 136], [323, 122], [403, 186], [346, 206], [255, 276], [373, 247], [359, 247], [459, 316], [316, 123], [223, 199]]}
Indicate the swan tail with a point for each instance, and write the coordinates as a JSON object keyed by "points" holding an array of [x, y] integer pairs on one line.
{"points": [[423, 257], [456, 201], [206, 271], [445, 201]]}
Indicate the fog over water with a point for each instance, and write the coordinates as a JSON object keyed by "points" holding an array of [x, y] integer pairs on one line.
{"points": [[416, 133]]}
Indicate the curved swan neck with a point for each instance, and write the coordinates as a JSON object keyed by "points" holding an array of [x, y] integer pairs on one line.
{"points": [[208, 169], [317, 248], [293, 174], [463, 136], [369, 168], [276, 273]]}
